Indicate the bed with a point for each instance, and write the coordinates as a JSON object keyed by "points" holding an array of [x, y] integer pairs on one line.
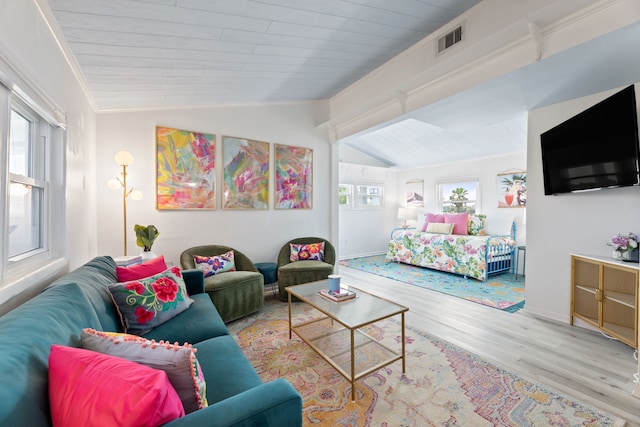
{"points": [[476, 255]]}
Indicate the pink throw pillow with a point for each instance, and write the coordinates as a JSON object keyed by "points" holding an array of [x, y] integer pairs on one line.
{"points": [[101, 390], [140, 271], [431, 217], [460, 222]]}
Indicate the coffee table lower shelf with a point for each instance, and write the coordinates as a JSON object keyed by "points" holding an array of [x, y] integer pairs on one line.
{"points": [[353, 353]]}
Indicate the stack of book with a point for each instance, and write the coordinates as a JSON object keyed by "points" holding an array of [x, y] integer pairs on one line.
{"points": [[126, 261], [341, 295]]}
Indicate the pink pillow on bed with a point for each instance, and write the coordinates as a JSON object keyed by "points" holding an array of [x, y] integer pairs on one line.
{"points": [[460, 222], [431, 217]]}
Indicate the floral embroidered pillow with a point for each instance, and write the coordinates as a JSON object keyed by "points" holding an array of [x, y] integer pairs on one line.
{"points": [[146, 303], [211, 265], [476, 224], [178, 361], [307, 252]]}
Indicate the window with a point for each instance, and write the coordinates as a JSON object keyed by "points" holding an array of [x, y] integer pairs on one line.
{"points": [[345, 195], [27, 186], [32, 182], [455, 196], [369, 195]]}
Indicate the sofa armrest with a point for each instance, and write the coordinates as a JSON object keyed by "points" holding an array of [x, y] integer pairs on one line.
{"points": [[275, 403], [194, 280]]}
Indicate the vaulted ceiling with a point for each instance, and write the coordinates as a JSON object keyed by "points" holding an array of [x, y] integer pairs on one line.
{"points": [[149, 54], [173, 53]]}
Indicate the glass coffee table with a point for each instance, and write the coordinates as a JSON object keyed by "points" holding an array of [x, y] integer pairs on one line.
{"points": [[339, 334]]}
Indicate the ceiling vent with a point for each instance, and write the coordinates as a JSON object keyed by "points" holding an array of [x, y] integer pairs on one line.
{"points": [[445, 42]]}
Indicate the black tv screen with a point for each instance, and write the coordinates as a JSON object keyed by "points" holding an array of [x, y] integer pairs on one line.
{"points": [[598, 148]]}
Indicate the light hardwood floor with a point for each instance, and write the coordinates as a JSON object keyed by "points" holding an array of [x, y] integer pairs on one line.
{"points": [[575, 361]]}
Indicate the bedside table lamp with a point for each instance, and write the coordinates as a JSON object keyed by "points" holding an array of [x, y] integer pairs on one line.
{"points": [[407, 214]]}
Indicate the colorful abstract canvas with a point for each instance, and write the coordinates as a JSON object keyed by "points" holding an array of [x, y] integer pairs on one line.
{"points": [[185, 169], [246, 173], [293, 177]]}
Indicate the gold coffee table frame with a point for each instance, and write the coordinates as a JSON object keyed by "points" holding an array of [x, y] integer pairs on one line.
{"points": [[350, 316]]}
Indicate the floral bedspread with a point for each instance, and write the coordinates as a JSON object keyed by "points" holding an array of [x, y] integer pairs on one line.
{"points": [[465, 255]]}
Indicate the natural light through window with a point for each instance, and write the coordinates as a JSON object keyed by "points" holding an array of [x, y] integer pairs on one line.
{"points": [[455, 196]]}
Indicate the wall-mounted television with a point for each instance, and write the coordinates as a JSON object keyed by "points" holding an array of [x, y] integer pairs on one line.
{"points": [[597, 148]]}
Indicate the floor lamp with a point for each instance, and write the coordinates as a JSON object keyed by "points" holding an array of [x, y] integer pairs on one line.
{"points": [[124, 159]]}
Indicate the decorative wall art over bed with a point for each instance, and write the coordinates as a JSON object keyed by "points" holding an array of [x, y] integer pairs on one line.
{"points": [[415, 193], [186, 173], [512, 190], [246, 173], [293, 177]]}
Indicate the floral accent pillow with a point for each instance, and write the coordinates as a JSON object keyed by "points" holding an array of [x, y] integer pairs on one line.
{"points": [[476, 225], [178, 361], [307, 252], [211, 265], [146, 303]]}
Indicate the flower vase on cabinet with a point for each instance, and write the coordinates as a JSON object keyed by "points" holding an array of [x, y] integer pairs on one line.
{"points": [[631, 256]]}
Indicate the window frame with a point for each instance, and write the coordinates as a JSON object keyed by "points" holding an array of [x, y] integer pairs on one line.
{"points": [[368, 187], [460, 182]]}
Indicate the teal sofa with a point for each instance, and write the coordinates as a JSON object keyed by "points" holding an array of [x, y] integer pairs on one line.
{"points": [[80, 299]]}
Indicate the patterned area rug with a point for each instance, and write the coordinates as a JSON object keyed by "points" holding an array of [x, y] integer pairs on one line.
{"points": [[443, 384], [503, 291]]}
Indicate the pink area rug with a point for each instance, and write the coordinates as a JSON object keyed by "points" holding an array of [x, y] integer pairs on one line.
{"points": [[443, 384]]}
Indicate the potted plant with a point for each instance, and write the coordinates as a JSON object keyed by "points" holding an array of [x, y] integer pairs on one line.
{"points": [[145, 236], [625, 247]]}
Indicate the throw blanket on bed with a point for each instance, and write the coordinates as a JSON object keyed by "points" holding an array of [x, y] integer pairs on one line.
{"points": [[465, 255]]}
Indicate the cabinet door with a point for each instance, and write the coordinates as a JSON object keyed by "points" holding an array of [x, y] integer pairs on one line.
{"points": [[585, 290], [619, 306]]}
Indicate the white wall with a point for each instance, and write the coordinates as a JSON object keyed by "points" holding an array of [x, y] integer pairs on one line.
{"points": [[366, 231], [29, 46], [580, 223], [486, 169], [257, 233]]}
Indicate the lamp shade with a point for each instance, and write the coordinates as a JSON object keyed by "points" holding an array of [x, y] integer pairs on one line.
{"points": [[407, 213], [123, 158]]}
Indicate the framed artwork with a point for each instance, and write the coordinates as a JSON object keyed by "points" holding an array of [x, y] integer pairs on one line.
{"points": [[293, 177], [246, 173], [185, 176], [415, 193], [512, 190]]}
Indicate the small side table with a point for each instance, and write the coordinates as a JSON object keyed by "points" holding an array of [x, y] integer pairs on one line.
{"points": [[522, 249], [269, 271]]}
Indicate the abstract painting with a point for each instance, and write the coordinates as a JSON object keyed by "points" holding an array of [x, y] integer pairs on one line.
{"points": [[185, 169], [246, 173], [293, 177]]}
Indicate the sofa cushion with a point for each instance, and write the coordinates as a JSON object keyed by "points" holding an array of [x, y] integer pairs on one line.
{"points": [[201, 322], [178, 361], [28, 331], [226, 369], [306, 252], [140, 271], [146, 303], [211, 265], [102, 390], [94, 278], [300, 266]]}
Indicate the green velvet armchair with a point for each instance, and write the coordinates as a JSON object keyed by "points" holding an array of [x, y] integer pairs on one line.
{"points": [[298, 272], [234, 293]]}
